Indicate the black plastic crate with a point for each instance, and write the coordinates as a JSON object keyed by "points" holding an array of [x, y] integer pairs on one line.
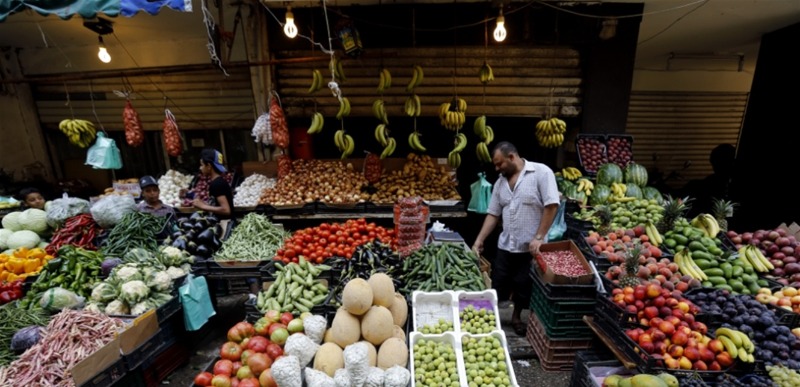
{"points": [[771, 283], [331, 208], [166, 311], [563, 292], [727, 243], [458, 207], [579, 372], [785, 317], [235, 269], [608, 311], [148, 349], [582, 374], [265, 209], [108, 376], [200, 268], [589, 138], [626, 138]]}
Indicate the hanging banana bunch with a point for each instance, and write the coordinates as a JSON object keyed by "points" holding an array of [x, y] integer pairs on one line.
{"points": [[317, 81], [486, 135], [344, 108], [317, 121], [486, 74], [337, 69], [344, 142], [416, 78], [452, 115], [550, 133], [79, 132], [385, 80]]}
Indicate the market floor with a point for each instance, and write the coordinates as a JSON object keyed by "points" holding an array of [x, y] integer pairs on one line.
{"points": [[230, 309]]}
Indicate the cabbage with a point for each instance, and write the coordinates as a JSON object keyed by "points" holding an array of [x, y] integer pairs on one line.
{"points": [[26, 338], [109, 264], [104, 292], [4, 234], [59, 210], [33, 219], [160, 281], [55, 299], [134, 291], [11, 221], [23, 238], [109, 210], [117, 307]]}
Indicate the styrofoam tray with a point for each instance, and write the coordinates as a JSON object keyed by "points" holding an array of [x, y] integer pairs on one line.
{"points": [[485, 299], [448, 337], [500, 335], [429, 307]]}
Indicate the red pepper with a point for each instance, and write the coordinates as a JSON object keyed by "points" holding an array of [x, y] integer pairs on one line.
{"points": [[5, 297]]}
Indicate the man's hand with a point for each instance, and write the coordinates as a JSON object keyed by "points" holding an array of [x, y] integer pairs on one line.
{"points": [[533, 246], [477, 247]]}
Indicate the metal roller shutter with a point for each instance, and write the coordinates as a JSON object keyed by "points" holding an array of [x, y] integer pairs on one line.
{"points": [[673, 128], [523, 79]]}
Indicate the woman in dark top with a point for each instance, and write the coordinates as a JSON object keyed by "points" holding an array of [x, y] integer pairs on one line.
{"points": [[219, 191]]}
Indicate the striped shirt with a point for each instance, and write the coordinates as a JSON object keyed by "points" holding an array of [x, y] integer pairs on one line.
{"points": [[521, 208], [164, 210]]}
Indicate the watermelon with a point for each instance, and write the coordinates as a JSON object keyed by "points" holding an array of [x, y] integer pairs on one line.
{"points": [[600, 194], [563, 183], [636, 174], [633, 191], [651, 193], [609, 173], [573, 194]]}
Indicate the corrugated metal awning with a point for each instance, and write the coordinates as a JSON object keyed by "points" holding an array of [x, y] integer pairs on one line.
{"points": [[673, 128]]}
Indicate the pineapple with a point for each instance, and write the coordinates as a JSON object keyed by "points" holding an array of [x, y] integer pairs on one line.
{"points": [[603, 215], [722, 209], [674, 208], [630, 278]]}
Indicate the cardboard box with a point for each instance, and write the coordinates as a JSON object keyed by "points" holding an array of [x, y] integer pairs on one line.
{"points": [[553, 278], [140, 330], [97, 362], [792, 229]]}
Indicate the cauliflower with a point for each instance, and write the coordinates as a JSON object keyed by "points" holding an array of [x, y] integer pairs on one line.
{"points": [[287, 372], [104, 292], [160, 281], [172, 253], [302, 347], [127, 273], [314, 327], [142, 307], [396, 377], [94, 307], [374, 377], [117, 307], [356, 362], [134, 291], [175, 272], [318, 378], [341, 378]]}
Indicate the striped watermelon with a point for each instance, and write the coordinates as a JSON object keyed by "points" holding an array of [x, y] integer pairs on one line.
{"points": [[633, 191], [609, 173], [600, 194], [651, 193], [573, 194], [636, 174]]}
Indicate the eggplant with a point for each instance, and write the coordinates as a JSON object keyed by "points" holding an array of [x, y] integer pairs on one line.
{"points": [[191, 235], [196, 216], [203, 251], [191, 247], [212, 220], [198, 227], [204, 238], [215, 243], [177, 234], [218, 230], [186, 226], [180, 243], [203, 222]]}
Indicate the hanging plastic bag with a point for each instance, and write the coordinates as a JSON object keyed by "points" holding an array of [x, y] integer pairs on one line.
{"points": [[481, 195], [196, 300], [559, 225], [104, 154]]}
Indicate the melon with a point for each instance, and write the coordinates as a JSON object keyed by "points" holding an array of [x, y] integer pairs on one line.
{"points": [[328, 338], [382, 289], [573, 194], [329, 358], [399, 333], [633, 191], [357, 296], [393, 352], [636, 174], [600, 194], [372, 353], [609, 173], [377, 325], [345, 329], [399, 309], [652, 193]]}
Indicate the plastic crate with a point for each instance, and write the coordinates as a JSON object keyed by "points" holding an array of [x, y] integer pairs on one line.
{"points": [[553, 355], [625, 138], [449, 337], [589, 139], [563, 319], [321, 309], [563, 292], [145, 351], [164, 312], [500, 335], [235, 269], [580, 376], [108, 376], [785, 317], [486, 299], [608, 310], [428, 307]]}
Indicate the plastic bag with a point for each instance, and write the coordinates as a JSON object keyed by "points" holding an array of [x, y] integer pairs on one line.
{"points": [[62, 209], [196, 300], [109, 210], [481, 195], [559, 225], [25, 338], [104, 154], [55, 299]]}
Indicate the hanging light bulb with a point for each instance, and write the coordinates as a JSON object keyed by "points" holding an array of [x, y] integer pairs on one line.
{"points": [[102, 53], [609, 29], [289, 28], [500, 30]]}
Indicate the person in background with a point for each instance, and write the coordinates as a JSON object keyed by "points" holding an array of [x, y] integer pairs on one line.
{"points": [[151, 202], [525, 196], [715, 185], [32, 198], [219, 191]]}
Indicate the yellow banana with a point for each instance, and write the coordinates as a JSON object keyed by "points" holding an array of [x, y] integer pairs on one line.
{"points": [[760, 256], [349, 146], [731, 334], [462, 105], [482, 151], [380, 134], [417, 105], [489, 135], [413, 82], [389, 149], [414, 142], [420, 75], [461, 142], [730, 347], [479, 127], [338, 139], [387, 83]]}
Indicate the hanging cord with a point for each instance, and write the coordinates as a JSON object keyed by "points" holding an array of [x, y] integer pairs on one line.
{"points": [[485, 56], [72, 113], [549, 112], [94, 111], [208, 20]]}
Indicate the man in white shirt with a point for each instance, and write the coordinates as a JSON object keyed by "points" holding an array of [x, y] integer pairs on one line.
{"points": [[526, 197]]}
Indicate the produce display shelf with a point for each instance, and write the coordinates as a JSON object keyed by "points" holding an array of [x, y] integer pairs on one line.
{"points": [[501, 336], [146, 350], [448, 337], [107, 377], [486, 299], [569, 292], [163, 312], [235, 269], [428, 307], [553, 354], [331, 208]]}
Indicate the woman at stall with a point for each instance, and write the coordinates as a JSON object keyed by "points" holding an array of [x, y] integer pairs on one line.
{"points": [[220, 193]]}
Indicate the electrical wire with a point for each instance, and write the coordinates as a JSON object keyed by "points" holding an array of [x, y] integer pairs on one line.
{"points": [[562, 9], [672, 24]]}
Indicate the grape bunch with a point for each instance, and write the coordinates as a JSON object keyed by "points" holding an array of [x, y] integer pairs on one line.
{"points": [[485, 362], [727, 380], [692, 382], [784, 377], [439, 327], [477, 321], [435, 364]]}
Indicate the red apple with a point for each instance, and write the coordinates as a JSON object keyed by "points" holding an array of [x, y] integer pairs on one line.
{"points": [[659, 347], [667, 327], [675, 350], [653, 291], [639, 293], [700, 365], [655, 322], [716, 346], [700, 327], [631, 309], [647, 346], [659, 301], [714, 366], [707, 355], [658, 335], [651, 312], [724, 359], [679, 338], [665, 311], [633, 334], [691, 353]]}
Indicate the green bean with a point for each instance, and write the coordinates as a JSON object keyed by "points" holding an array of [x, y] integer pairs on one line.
{"points": [[13, 319], [254, 239], [135, 229]]}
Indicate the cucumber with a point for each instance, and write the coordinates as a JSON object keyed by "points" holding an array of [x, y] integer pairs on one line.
{"points": [[714, 272], [717, 280]]}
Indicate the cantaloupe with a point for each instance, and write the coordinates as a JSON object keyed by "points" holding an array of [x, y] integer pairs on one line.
{"points": [[393, 352], [377, 325], [372, 352], [399, 309], [329, 358], [357, 296], [328, 338], [382, 289], [345, 329], [399, 333]]}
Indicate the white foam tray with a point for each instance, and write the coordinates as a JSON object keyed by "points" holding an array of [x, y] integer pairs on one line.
{"points": [[463, 299], [428, 307]]}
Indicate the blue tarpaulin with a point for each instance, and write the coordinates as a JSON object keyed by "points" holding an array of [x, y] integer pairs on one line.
{"points": [[88, 9]]}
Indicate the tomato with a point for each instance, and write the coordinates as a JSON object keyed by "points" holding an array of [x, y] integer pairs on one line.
{"points": [[371, 234], [289, 253], [249, 382], [307, 238], [258, 363], [324, 226], [261, 326], [274, 351], [236, 366], [279, 252], [313, 256], [203, 379], [258, 343], [266, 380], [223, 367], [231, 351], [361, 228], [240, 331], [221, 381], [305, 252]]}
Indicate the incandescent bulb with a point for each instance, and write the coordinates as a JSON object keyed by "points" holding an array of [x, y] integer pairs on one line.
{"points": [[103, 54], [289, 28], [500, 30]]}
